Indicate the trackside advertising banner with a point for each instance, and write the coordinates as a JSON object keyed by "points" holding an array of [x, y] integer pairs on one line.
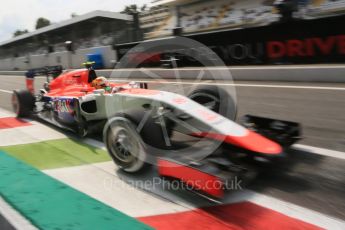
{"points": [[297, 42]]}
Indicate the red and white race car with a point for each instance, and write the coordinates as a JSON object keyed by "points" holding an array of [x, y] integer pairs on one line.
{"points": [[191, 138]]}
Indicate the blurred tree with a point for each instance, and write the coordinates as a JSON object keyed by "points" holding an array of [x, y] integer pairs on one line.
{"points": [[20, 32], [132, 9], [143, 8], [42, 22]]}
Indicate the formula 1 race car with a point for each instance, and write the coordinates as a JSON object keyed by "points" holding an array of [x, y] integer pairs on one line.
{"points": [[191, 138]]}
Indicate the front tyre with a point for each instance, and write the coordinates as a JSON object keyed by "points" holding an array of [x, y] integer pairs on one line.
{"points": [[23, 103], [125, 145], [216, 99]]}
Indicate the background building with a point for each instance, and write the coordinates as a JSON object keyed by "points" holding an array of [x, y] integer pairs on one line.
{"points": [[101, 32], [94, 32]]}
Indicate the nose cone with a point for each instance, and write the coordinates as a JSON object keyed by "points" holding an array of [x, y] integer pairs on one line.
{"points": [[256, 143]]}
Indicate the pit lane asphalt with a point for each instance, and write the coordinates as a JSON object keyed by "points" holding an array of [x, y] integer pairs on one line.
{"points": [[312, 181]]}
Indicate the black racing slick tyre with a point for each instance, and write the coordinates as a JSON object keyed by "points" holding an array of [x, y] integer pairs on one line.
{"points": [[23, 103], [124, 144], [216, 99]]}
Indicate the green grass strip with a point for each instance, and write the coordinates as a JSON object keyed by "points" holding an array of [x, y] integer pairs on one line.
{"points": [[50, 204], [57, 153]]}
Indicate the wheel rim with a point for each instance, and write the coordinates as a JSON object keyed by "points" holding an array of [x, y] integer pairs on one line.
{"points": [[15, 103], [123, 145]]}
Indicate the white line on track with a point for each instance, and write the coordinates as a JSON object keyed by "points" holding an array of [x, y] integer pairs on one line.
{"points": [[242, 85], [5, 91], [320, 151], [290, 87]]}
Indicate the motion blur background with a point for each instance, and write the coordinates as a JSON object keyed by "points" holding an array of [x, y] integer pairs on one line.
{"points": [[242, 32]]}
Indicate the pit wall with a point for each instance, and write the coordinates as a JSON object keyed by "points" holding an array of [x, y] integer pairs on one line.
{"points": [[296, 73]]}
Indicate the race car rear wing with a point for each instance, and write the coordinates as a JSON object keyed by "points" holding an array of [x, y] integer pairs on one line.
{"points": [[47, 71]]}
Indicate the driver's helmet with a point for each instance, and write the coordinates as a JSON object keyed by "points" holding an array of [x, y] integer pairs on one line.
{"points": [[100, 83]]}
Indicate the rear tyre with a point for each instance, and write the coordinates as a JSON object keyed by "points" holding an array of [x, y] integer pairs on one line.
{"points": [[23, 103], [125, 145], [216, 99]]}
